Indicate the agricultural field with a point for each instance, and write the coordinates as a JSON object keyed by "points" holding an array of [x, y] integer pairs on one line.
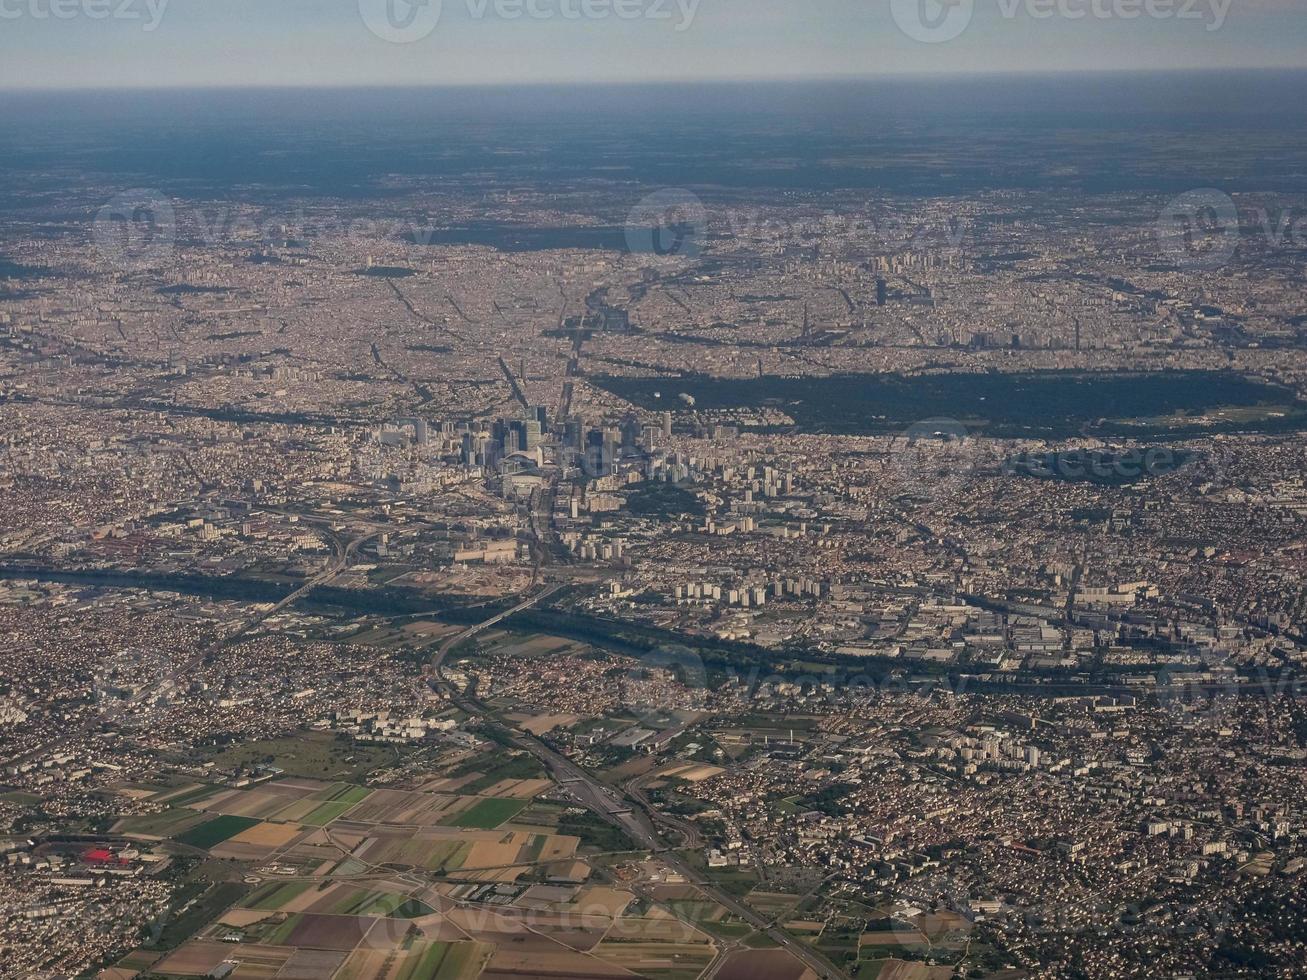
{"points": [[517, 789], [488, 813], [901, 970], [336, 932], [325, 813], [520, 965], [406, 808], [658, 926], [258, 842], [419, 961], [261, 802], [311, 964], [331, 898], [187, 795], [368, 956], [663, 961], [518, 766], [470, 853], [201, 958], [213, 832], [763, 964], [415, 850], [275, 896]]}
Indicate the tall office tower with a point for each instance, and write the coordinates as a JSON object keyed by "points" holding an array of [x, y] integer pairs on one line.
{"points": [[595, 453], [541, 413], [630, 431], [492, 452], [882, 291], [612, 445], [573, 434], [667, 425], [531, 435]]}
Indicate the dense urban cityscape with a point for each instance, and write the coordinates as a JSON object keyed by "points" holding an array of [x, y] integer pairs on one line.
{"points": [[722, 543]]}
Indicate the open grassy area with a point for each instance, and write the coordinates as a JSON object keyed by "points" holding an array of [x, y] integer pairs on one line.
{"points": [[169, 823], [19, 798], [594, 832], [313, 755]]}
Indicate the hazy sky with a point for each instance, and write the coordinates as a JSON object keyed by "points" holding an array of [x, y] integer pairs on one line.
{"points": [[163, 43]]}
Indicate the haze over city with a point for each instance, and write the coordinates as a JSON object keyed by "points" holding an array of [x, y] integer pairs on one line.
{"points": [[170, 43]]}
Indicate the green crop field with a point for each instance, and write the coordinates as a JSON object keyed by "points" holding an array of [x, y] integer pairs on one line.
{"points": [[344, 793], [215, 831], [487, 814], [327, 812], [273, 896]]}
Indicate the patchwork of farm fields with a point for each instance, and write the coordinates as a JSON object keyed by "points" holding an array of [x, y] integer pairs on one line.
{"points": [[457, 874]]}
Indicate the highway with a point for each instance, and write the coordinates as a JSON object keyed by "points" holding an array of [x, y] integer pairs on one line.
{"points": [[611, 805]]}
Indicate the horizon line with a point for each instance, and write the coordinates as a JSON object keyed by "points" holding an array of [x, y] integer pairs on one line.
{"points": [[1015, 73]]}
